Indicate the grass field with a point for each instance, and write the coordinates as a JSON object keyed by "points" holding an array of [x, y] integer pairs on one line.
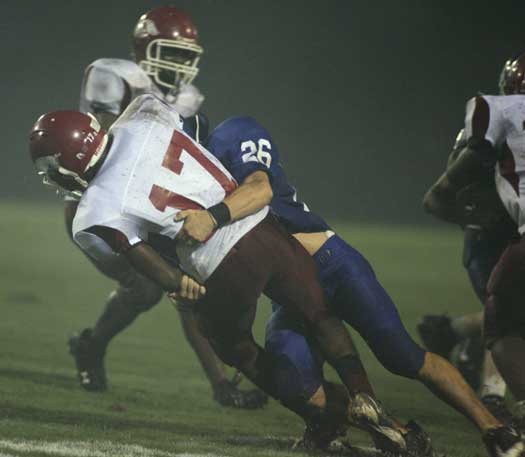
{"points": [[159, 403]]}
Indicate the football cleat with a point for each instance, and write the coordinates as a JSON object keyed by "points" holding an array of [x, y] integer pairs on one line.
{"points": [[497, 407], [437, 335], [369, 415], [418, 443], [504, 442], [319, 435], [89, 361], [226, 393]]}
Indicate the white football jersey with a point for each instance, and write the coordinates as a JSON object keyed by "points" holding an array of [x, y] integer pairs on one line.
{"points": [[501, 121], [111, 84], [152, 171]]}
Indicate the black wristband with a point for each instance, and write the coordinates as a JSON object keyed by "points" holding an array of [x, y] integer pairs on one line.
{"points": [[221, 213]]}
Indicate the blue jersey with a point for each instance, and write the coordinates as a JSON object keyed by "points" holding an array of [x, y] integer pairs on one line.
{"points": [[244, 147]]}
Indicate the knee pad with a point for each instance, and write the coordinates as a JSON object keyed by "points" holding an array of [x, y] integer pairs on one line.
{"points": [[398, 352], [298, 365], [141, 293]]}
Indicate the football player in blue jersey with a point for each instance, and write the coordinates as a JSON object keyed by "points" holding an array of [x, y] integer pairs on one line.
{"points": [[246, 149]]}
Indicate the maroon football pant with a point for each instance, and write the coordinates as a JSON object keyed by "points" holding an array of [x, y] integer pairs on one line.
{"points": [[267, 259], [505, 305]]}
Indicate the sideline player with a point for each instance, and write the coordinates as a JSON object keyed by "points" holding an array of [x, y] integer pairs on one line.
{"points": [[129, 182], [245, 148], [487, 231], [166, 53], [494, 129]]}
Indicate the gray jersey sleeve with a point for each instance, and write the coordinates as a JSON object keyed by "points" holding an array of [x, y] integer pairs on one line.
{"points": [[102, 91]]}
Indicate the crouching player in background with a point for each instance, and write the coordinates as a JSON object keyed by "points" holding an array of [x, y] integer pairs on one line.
{"points": [[488, 228], [166, 54], [245, 149]]}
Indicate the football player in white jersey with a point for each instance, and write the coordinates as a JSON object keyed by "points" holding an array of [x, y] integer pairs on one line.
{"points": [[495, 133], [487, 228], [166, 54], [135, 180]]}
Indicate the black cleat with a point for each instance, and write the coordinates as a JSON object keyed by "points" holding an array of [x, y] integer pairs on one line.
{"points": [[504, 442], [89, 361], [226, 393], [437, 335], [497, 407], [417, 441], [320, 435]]}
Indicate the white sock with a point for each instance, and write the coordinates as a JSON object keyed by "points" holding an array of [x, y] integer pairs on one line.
{"points": [[493, 385]]}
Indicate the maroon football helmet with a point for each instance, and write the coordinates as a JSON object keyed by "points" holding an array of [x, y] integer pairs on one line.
{"points": [[165, 46], [65, 146], [511, 80]]}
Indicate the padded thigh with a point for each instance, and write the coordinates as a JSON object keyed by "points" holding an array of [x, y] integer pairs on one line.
{"points": [[359, 299], [299, 364]]}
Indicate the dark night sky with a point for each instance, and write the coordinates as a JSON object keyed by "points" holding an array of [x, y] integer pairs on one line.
{"points": [[363, 98]]}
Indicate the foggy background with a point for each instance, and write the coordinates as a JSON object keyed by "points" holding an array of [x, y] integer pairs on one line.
{"points": [[363, 99]]}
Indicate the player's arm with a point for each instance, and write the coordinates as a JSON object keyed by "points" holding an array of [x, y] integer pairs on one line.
{"points": [[150, 264], [472, 162], [251, 196], [105, 94], [248, 152], [441, 199], [143, 258]]}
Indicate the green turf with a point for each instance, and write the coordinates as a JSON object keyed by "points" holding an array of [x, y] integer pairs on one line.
{"points": [[159, 398]]}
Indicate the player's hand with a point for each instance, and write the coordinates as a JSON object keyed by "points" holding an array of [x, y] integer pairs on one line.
{"points": [[228, 394], [189, 290], [198, 226]]}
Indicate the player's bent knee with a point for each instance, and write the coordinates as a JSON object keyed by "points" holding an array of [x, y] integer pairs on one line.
{"points": [[398, 352], [241, 354], [298, 366]]}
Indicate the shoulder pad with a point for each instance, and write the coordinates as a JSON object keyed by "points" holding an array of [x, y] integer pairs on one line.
{"points": [[484, 120], [128, 70]]}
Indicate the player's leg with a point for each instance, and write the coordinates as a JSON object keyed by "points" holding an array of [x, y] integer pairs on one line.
{"points": [[361, 300], [295, 285], [300, 383], [481, 253], [134, 295], [225, 391], [505, 317], [299, 373]]}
